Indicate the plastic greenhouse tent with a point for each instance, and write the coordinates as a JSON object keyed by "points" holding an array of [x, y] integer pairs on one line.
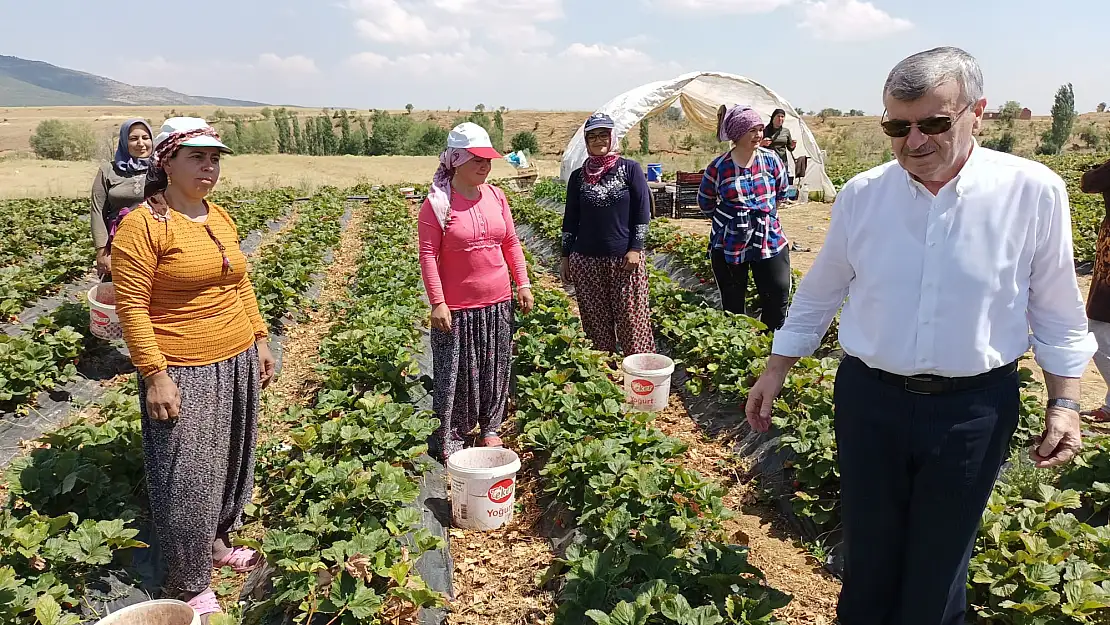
{"points": [[700, 94]]}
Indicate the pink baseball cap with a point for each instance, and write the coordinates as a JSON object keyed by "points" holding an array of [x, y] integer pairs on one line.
{"points": [[472, 138]]}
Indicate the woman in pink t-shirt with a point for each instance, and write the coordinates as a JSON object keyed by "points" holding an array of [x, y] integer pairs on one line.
{"points": [[468, 249]]}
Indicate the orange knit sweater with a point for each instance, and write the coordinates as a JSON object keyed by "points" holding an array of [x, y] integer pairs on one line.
{"points": [[176, 302]]}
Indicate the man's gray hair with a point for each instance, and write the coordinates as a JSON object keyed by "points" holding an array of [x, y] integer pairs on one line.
{"points": [[916, 75]]}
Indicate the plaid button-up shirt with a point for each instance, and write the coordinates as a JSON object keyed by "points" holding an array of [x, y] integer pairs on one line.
{"points": [[742, 202]]}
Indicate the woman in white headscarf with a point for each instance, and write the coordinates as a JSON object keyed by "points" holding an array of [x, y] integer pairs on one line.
{"points": [[468, 250]]}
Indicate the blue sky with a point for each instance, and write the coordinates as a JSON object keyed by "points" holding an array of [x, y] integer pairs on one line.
{"points": [[558, 54]]}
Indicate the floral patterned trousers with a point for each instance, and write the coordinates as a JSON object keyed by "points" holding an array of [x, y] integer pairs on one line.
{"points": [[613, 304]]}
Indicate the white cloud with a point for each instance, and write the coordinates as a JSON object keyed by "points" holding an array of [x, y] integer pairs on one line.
{"points": [[849, 21], [601, 51], [386, 21], [554, 78], [721, 6], [427, 24], [296, 64]]}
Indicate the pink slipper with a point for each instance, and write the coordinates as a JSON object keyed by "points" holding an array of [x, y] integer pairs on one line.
{"points": [[205, 603], [492, 441], [240, 559]]}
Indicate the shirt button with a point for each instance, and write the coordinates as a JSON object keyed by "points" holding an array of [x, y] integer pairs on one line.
{"points": [[932, 243]]}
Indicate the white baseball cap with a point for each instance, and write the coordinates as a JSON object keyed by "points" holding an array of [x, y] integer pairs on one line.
{"points": [[185, 124], [472, 138]]}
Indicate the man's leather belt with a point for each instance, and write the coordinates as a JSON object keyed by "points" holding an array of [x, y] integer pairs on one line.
{"points": [[938, 385]]}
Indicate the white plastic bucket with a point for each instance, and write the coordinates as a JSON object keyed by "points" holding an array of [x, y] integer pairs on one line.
{"points": [[103, 321], [157, 612], [483, 487], [647, 381]]}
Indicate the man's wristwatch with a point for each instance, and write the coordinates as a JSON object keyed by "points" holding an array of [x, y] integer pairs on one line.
{"points": [[1070, 404]]}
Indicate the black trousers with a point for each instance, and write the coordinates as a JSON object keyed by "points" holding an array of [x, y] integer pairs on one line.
{"points": [[915, 474], [772, 282]]}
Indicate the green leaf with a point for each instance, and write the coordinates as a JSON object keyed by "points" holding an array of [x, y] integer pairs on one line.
{"points": [[47, 610], [1042, 573]]}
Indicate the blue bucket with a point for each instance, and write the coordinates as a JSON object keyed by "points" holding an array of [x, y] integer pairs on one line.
{"points": [[654, 172]]}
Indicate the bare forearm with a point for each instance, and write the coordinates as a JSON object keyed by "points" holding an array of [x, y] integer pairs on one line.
{"points": [[780, 365], [1060, 387]]}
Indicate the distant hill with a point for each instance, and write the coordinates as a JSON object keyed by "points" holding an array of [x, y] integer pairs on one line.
{"points": [[35, 83]]}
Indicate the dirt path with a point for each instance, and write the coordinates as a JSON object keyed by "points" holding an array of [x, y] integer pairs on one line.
{"points": [[785, 562], [495, 572], [806, 225], [296, 383]]}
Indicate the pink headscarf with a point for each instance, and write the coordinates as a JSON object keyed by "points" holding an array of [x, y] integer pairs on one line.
{"points": [[736, 123], [440, 193]]}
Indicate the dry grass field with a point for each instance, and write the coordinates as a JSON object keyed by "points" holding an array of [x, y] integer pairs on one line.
{"points": [[29, 177]]}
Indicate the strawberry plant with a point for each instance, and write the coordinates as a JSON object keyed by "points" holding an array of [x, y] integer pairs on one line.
{"points": [[71, 505], [283, 273], [337, 492], [651, 529], [1036, 563]]}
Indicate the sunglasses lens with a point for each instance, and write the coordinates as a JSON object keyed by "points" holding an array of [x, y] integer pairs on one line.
{"points": [[935, 125], [896, 128]]}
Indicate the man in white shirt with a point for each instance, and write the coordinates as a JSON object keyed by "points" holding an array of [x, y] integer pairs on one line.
{"points": [[954, 260]]}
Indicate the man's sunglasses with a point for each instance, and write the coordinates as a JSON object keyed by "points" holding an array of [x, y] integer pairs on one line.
{"points": [[936, 125]]}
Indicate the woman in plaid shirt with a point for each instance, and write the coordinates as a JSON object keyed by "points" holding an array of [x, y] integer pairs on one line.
{"points": [[740, 191]]}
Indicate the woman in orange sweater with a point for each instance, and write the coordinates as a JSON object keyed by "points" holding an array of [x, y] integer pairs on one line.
{"points": [[191, 322]]}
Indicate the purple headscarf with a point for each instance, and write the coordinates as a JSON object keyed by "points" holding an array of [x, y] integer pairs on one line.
{"points": [[439, 195], [124, 163], [736, 123]]}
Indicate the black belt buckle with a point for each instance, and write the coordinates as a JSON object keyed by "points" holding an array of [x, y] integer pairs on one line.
{"points": [[937, 385]]}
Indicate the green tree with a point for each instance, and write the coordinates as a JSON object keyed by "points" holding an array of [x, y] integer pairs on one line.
{"points": [[298, 140], [329, 144], [389, 134], [229, 134], [481, 108], [258, 138], [364, 135], [1010, 113], [1063, 118], [408, 108], [855, 113], [526, 141], [426, 139], [267, 113], [645, 137], [1101, 107], [497, 136], [347, 142], [829, 112], [284, 136], [64, 141]]}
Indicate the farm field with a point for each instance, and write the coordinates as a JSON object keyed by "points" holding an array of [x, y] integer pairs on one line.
{"points": [[658, 504]]}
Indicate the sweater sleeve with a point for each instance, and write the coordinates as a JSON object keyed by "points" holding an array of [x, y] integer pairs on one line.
{"points": [[98, 207], [639, 207], [572, 212], [430, 235], [510, 245], [134, 258]]}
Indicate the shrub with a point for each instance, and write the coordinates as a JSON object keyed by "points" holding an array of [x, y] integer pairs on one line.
{"points": [[525, 141], [426, 139], [389, 134], [1011, 111], [1003, 143], [1091, 135], [64, 141]]}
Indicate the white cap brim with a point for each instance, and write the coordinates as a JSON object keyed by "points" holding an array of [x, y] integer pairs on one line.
{"points": [[206, 142]]}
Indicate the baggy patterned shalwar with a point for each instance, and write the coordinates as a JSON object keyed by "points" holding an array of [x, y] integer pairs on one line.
{"points": [[613, 304], [471, 367], [200, 466]]}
